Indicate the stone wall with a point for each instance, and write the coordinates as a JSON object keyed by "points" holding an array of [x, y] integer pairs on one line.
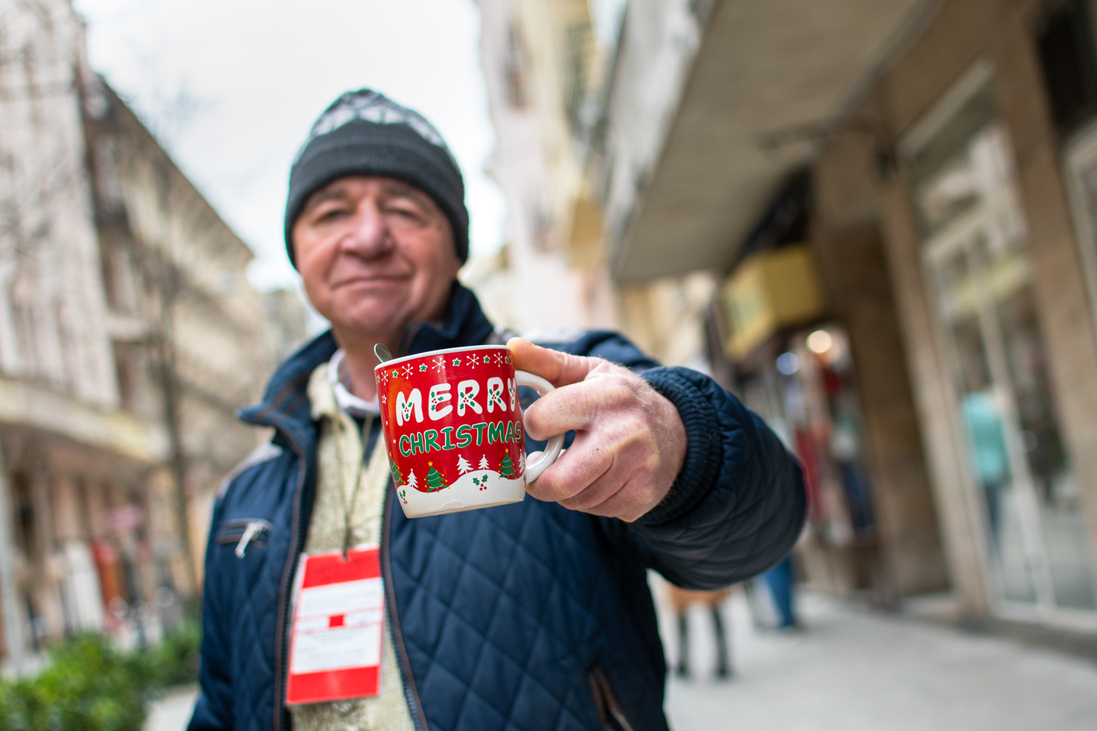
{"points": [[847, 242]]}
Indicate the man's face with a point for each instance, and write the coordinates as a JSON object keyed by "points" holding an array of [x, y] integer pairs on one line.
{"points": [[375, 254]]}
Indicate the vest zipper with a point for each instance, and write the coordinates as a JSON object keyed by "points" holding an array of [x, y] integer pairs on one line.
{"points": [[609, 708], [415, 708]]}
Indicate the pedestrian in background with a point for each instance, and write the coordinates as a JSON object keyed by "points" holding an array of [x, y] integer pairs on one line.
{"points": [[680, 601]]}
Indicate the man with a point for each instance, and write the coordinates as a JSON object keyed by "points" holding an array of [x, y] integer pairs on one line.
{"points": [[528, 616]]}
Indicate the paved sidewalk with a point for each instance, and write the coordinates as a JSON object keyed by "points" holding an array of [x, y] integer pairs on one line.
{"points": [[172, 711], [851, 670], [854, 670]]}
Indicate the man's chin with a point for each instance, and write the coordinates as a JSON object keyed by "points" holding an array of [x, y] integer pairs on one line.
{"points": [[373, 319]]}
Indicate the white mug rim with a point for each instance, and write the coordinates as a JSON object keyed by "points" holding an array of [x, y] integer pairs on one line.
{"points": [[427, 353]]}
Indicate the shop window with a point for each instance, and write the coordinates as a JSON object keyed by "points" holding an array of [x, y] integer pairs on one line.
{"points": [[979, 279], [803, 383], [1065, 43]]}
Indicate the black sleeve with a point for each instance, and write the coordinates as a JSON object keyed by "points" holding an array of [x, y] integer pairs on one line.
{"points": [[737, 506]]}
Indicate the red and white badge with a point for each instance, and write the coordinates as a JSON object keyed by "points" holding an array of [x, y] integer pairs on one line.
{"points": [[335, 642]]}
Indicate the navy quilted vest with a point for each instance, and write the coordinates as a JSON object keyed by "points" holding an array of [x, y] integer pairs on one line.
{"points": [[521, 617]]}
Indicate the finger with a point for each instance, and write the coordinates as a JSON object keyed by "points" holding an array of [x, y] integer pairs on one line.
{"points": [[532, 457], [579, 406], [621, 504], [591, 499], [560, 411], [557, 368], [572, 473]]}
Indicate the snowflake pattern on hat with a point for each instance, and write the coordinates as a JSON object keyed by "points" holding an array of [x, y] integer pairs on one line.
{"points": [[369, 106]]}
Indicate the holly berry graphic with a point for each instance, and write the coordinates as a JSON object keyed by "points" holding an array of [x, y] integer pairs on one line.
{"points": [[435, 480], [507, 467]]}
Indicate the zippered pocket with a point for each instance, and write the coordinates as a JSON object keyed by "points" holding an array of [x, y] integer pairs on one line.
{"points": [[610, 711], [244, 533]]}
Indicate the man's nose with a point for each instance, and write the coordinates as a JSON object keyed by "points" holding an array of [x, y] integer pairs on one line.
{"points": [[368, 235]]}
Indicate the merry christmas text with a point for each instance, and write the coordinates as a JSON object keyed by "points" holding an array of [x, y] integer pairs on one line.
{"points": [[448, 437]]}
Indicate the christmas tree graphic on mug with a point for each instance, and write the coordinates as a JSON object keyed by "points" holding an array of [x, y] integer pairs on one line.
{"points": [[506, 467], [435, 480]]}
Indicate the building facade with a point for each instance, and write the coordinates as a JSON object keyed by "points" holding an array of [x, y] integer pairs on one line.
{"points": [[896, 203], [985, 222], [539, 62], [128, 337], [549, 67], [878, 221]]}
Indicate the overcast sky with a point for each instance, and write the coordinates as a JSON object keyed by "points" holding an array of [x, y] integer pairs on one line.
{"points": [[231, 89]]}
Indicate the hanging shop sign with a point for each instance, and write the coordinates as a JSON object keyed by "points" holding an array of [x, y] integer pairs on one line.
{"points": [[767, 292]]}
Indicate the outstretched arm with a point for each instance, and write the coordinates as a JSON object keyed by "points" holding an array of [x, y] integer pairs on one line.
{"points": [[711, 494]]}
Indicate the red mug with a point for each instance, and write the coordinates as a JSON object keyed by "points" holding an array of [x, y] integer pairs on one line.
{"points": [[453, 429]]}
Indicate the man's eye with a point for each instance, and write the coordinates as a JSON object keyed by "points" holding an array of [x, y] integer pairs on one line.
{"points": [[406, 212], [330, 214]]}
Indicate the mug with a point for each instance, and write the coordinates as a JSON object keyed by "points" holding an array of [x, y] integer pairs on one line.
{"points": [[453, 429]]}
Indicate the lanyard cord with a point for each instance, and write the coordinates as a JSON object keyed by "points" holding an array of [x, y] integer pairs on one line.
{"points": [[348, 508]]}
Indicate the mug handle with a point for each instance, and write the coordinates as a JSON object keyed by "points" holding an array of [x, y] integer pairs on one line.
{"points": [[556, 443]]}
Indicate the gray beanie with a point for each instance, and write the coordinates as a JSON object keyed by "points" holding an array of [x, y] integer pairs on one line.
{"points": [[366, 133]]}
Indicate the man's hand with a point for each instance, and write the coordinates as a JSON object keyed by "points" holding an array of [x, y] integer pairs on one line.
{"points": [[629, 445]]}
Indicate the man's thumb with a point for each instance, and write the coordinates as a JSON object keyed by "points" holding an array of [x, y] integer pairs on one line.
{"points": [[559, 369]]}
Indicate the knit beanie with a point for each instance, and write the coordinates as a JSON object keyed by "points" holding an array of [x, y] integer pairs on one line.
{"points": [[366, 133]]}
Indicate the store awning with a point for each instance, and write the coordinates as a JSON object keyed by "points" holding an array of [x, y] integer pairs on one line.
{"points": [[765, 75]]}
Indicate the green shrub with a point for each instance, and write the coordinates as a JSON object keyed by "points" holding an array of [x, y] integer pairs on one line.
{"points": [[88, 686], [175, 660]]}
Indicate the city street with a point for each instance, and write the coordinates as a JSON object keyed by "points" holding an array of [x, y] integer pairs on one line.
{"points": [[849, 670], [852, 669]]}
